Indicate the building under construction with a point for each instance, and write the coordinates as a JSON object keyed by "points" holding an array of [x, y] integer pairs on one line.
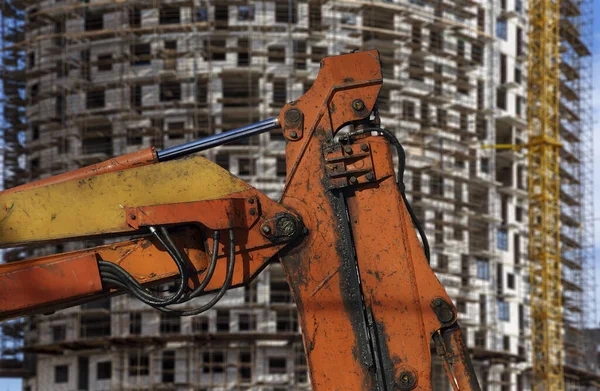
{"points": [[86, 80]]}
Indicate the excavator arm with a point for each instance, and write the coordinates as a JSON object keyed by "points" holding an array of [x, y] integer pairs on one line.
{"points": [[370, 307]]}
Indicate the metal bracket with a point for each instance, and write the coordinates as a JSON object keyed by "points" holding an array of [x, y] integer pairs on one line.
{"points": [[282, 227], [294, 124], [224, 213], [349, 165]]}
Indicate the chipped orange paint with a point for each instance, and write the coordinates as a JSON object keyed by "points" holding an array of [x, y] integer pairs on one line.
{"points": [[28, 282], [142, 258], [318, 270], [370, 335], [148, 263], [131, 160], [398, 284], [217, 214], [458, 359]]}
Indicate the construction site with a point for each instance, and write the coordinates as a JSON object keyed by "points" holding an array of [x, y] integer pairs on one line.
{"points": [[83, 81]]}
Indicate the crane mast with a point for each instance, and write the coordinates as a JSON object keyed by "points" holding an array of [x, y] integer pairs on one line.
{"points": [[544, 196]]}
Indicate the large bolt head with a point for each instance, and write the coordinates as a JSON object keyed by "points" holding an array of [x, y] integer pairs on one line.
{"points": [[445, 315], [293, 115], [287, 226]]}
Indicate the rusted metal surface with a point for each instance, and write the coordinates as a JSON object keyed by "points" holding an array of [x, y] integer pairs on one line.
{"points": [[42, 282], [97, 204], [245, 211], [143, 258], [369, 304], [457, 356], [327, 105], [349, 165], [360, 279], [322, 270], [124, 162], [214, 214], [398, 284], [146, 261]]}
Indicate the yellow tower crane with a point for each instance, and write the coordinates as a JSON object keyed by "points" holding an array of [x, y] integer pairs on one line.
{"points": [[544, 195]]}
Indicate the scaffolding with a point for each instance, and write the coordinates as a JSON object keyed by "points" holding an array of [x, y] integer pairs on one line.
{"points": [[576, 193], [86, 80]]}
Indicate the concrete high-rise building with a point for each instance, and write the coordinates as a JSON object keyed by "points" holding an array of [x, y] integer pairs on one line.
{"points": [[86, 80]]}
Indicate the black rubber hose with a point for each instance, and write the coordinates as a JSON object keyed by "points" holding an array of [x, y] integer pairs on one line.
{"points": [[211, 267], [110, 279], [117, 273], [145, 295], [171, 248], [221, 292], [125, 280], [114, 274], [391, 137]]}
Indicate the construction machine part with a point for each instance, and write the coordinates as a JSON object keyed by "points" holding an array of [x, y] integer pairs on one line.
{"points": [[343, 229], [218, 139]]}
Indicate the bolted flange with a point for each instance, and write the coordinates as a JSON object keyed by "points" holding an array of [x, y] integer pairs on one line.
{"points": [[282, 227], [294, 124]]}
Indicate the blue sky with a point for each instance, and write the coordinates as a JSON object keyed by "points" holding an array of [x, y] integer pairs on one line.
{"points": [[10, 385]]}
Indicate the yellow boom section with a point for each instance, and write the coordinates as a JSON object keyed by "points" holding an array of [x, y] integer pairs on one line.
{"points": [[96, 205], [544, 196]]}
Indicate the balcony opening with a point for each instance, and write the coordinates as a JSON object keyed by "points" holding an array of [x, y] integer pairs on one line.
{"points": [[286, 11], [213, 362], [277, 365], [61, 374], [200, 324], [276, 54], [169, 15], [170, 323], [141, 54], [168, 366], [139, 364], [245, 365], [104, 370], [94, 21]]}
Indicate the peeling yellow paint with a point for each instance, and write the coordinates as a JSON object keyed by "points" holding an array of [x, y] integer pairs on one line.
{"points": [[95, 205]]}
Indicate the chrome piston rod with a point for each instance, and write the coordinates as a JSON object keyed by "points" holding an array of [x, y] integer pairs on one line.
{"points": [[217, 139]]}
